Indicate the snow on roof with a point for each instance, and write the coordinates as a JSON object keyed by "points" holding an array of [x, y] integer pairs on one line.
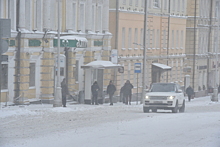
{"points": [[72, 37], [101, 64], [162, 66]]}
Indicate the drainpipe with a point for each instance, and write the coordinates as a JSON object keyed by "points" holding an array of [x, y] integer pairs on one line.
{"points": [[168, 38], [194, 46], [18, 54], [116, 30], [209, 42], [144, 53]]}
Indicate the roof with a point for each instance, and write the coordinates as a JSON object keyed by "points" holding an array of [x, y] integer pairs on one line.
{"points": [[162, 66], [101, 64]]}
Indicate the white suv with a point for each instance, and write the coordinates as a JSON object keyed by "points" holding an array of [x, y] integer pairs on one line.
{"points": [[165, 96]]}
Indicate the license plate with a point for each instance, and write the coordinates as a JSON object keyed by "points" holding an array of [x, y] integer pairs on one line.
{"points": [[158, 101]]}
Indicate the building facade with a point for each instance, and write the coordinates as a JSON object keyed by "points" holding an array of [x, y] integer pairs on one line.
{"points": [[30, 71], [202, 44], [165, 40]]}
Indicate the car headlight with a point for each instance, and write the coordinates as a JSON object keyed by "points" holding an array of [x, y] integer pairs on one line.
{"points": [[147, 97], [171, 97]]}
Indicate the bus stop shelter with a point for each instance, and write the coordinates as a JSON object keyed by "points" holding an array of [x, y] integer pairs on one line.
{"points": [[89, 68]]}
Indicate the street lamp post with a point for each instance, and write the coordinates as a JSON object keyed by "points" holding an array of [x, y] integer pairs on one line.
{"points": [[215, 96], [144, 53], [57, 98]]}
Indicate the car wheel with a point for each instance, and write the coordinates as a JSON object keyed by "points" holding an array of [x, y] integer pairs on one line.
{"points": [[154, 110], [175, 109], [182, 108], [146, 110]]}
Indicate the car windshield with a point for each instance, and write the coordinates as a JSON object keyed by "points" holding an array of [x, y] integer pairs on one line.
{"points": [[163, 88]]}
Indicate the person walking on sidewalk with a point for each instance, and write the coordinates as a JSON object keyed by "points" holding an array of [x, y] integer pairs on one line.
{"points": [[111, 90], [189, 92], [95, 88], [65, 92], [127, 92]]}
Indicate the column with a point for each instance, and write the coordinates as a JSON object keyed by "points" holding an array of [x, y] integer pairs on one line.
{"points": [[71, 63]]}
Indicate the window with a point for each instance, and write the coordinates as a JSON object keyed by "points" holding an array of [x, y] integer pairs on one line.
{"points": [[172, 38], [4, 76], [74, 16], [164, 39], [178, 5], [32, 75], [148, 39], [174, 5], [217, 9], [156, 3], [53, 15], [181, 40], [177, 39], [142, 3], [129, 38], [130, 2], [123, 38], [76, 71], [183, 5], [28, 15], [11, 14], [149, 3], [38, 15], [82, 18], [165, 4], [158, 39], [136, 3], [136, 37], [124, 2], [141, 37], [153, 38]]}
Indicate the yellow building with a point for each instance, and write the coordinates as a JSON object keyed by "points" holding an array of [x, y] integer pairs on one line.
{"points": [[31, 70], [202, 44], [165, 40]]}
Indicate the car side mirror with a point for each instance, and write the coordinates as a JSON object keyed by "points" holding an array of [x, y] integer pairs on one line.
{"points": [[179, 91]]}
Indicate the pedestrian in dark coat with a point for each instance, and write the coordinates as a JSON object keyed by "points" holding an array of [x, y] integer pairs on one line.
{"points": [[65, 92], [127, 92], [189, 92], [111, 90], [95, 88]]}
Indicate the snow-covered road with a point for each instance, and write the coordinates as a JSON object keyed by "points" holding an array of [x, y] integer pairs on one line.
{"points": [[110, 126]]}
